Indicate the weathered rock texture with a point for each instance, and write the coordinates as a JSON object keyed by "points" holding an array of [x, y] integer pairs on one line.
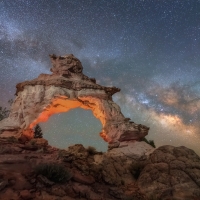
{"points": [[94, 175], [68, 88], [168, 173], [171, 173]]}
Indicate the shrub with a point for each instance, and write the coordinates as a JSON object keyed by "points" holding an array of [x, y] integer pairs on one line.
{"points": [[38, 132], [54, 172], [91, 150], [4, 112], [150, 142]]}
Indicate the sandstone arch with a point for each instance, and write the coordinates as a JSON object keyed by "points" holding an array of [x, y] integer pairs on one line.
{"points": [[67, 88]]}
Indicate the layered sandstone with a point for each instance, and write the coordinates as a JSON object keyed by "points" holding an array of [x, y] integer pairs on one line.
{"points": [[68, 88]]}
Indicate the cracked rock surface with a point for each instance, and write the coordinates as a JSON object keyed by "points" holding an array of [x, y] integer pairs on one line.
{"points": [[171, 173], [167, 173], [88, 169]]}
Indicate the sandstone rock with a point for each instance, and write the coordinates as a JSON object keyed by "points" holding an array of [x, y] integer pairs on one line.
{"points": [[134, 149], [44, 196], [69, 191], [82, 165], [113, 145], [86, 191], [22, 183], [168, 173], [80, 178], [9, 194], [81, 190], [21, 176], [35, 144], [116, 192], [117, 161], [16, 149], [58, 191], [12, 131], [113, 167], [171, 173], [63, 65], [11, 159], [30, 147], [44, 180], [41, 142], [93, 196], [3, 184], [65, 89], [26, 195], [77, 151]]}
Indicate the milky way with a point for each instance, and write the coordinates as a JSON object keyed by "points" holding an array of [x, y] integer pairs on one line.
{"points": [[148, 48]]}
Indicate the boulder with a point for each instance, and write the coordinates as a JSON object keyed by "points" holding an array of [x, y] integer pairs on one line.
{"points": [[116, 162], [171, 173], [80, 178]]}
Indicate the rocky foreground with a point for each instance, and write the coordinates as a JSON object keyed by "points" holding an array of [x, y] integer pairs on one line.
{"points": [[136, 171]]}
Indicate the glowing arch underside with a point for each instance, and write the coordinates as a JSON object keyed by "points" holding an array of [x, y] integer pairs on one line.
{"points": [[67, 88]]}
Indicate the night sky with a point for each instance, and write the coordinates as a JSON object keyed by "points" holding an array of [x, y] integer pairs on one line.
{"points": [[148, 48]]}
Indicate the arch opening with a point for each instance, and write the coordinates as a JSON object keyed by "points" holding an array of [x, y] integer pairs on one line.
{"points": [[65, 89], [77, 126], [61, 104]]}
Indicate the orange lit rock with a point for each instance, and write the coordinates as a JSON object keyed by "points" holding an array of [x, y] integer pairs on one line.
{"points": [[68, 88]]}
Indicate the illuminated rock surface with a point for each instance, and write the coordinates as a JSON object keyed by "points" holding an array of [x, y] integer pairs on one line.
{"points": [[67, 88]]}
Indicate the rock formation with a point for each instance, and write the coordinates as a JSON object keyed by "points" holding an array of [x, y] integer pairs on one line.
{"points": [[68, 88], [94, 175], [166, 173], [130, 169], [171, 173]]}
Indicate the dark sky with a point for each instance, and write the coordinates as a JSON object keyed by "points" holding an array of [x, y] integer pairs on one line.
{"points": [[148, 48]]}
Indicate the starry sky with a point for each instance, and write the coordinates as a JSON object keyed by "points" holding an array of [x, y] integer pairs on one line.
{"points": [[148, 48]]}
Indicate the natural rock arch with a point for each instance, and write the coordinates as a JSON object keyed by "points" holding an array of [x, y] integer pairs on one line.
{"points": [[67, 88]]}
